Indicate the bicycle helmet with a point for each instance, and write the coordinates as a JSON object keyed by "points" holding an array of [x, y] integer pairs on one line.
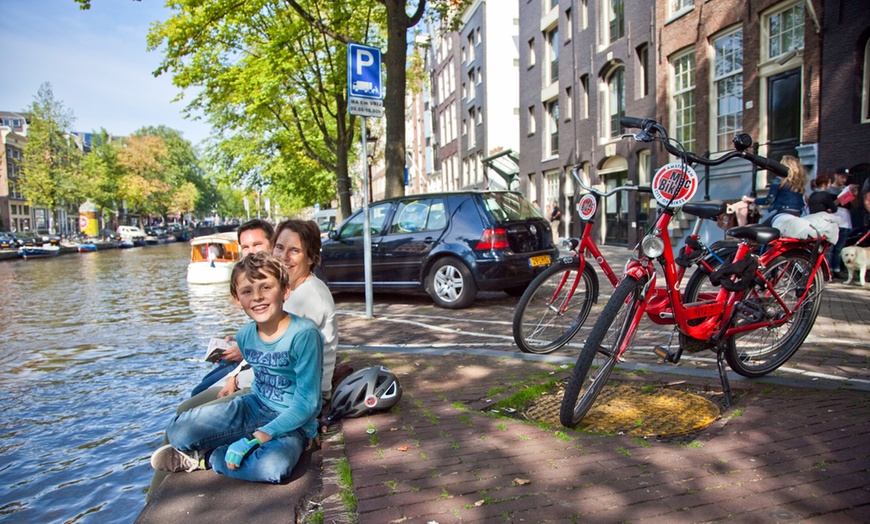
{"points": [[371, 389]]}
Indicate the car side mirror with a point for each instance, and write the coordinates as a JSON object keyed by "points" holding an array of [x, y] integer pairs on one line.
{"points": [[333, 234]]}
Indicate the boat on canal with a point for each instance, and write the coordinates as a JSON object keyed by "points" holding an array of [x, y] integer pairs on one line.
{"points": [[45, 251], [87, 247], [212, 258]]}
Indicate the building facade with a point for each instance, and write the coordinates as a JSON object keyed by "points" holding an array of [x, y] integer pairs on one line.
{"points": [[583, 65], [15, 212]]}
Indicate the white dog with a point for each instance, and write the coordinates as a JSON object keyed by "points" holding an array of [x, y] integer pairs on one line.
{"points": [[856, 259]]}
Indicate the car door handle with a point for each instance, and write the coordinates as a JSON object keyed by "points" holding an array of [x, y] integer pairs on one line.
{"points": [[428, 240]]}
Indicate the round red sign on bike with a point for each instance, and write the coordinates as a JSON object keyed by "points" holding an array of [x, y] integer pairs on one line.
{"points": [[674, 184], [587, 206]]}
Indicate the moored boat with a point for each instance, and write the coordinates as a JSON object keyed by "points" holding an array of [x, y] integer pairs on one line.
{"points": [[212, 258], [87, 247], [38, 251]]}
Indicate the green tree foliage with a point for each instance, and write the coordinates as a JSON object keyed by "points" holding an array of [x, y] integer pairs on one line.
{"points": [[51, 159], [272, 86]]}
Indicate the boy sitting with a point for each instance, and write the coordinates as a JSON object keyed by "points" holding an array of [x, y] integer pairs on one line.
{"points": [[260, 436]]}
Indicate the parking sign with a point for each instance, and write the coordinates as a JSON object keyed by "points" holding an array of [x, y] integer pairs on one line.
{"points": [[364, 72]]}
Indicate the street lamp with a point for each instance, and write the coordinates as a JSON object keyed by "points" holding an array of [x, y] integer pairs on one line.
{"points": [[371, 149]]}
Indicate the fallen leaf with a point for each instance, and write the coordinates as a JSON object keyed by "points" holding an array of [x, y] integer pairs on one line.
{"points": [[394, 429], [480, 503], [521, 482], [402, 448]]}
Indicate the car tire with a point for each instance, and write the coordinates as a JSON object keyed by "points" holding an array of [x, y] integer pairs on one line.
{"points": [[450, 284]]}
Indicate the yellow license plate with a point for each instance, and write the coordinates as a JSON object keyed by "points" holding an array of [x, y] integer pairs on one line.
{"points": [[543, 260]]}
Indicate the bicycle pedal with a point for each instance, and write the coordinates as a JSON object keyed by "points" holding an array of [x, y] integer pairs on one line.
{"points": [[669, 356]]}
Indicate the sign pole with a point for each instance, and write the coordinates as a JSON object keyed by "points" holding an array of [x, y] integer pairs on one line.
{"points": [[367, 230]]}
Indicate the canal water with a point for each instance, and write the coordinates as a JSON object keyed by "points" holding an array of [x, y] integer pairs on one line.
{"points": [[96, 351]]}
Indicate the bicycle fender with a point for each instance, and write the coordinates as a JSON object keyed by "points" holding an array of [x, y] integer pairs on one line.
{"points": [[636, 271]]}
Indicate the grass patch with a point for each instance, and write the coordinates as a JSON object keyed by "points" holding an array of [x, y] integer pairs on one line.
{"points": [[520, 399], [624, 451], [641, 442], [737, 412], [465, 419], [345, 482], [495, 391], [460, 406], [561, 435]]}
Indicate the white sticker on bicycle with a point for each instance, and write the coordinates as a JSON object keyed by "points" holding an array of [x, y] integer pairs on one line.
{"points": [[587, 206], [674, 184]]}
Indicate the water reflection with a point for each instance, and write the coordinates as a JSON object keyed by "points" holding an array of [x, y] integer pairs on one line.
{"points": [[97, 351]]}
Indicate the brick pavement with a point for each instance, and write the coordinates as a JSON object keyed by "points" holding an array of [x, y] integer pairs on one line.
{"points": [[793, 448], [781, 454]]}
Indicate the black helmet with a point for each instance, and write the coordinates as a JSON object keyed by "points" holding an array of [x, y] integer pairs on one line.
{"points": [[371, 389]]}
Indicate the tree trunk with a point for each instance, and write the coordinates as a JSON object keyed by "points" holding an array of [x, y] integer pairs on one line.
{"points": [[344, 140], [394, 101]]}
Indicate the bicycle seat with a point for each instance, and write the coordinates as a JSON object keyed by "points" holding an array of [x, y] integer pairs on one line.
{"points": [[760, 234], [704, 209]]}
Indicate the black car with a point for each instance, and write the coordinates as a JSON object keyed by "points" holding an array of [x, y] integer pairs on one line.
{"points": [[449, 244], [8, 240], [47, 237]]}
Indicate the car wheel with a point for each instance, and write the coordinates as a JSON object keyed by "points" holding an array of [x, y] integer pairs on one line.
{"points": [[450, 284]]}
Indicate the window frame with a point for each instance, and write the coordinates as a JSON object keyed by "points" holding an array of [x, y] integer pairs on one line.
{"points": [[613, 130], [719, 140], [676, 126], [766, 39]]}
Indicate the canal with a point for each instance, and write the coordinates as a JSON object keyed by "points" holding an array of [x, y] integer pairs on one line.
{"points": [[96, 351]]}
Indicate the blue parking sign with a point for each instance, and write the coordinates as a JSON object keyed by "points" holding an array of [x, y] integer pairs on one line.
{"points": [[364, 72]]}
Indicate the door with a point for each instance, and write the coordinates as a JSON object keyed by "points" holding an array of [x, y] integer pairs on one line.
{"points": [[616, 210], [343, 257], [783, 114], [415, 229]]}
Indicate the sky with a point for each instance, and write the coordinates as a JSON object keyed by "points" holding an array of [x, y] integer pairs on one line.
{"points": [[96, 62]]}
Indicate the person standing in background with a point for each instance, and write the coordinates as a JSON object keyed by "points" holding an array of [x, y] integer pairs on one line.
{"points": [[841, 182], [555, 220]]}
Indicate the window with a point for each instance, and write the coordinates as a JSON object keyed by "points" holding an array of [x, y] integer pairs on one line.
{"points": [[419, 215], [615, 100], [785, 31], [569, 104], [569, 26], [553, 129], [355, 226], [477, 33], [472, 135], [479, 76], [551, 187], [584, 103], [728, 85], [553, 56], [683, 101], [531, 120], [643, 70], [479, 115], [865, 91], [531, 52], [676, 7], [615, 20], [470, 85], [584, 14], [471, 47]]}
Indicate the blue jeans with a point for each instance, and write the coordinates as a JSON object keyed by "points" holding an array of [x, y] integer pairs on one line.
{"points": [[211, 378], [216, 426], [833, 254]]}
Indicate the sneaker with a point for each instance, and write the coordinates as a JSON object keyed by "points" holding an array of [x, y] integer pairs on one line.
{"points": [[167, 458]]}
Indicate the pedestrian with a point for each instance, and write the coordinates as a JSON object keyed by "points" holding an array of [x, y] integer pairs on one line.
{"points": [[555, 220], [785, 194], [260, 436], [820, 200], [844, 204]]}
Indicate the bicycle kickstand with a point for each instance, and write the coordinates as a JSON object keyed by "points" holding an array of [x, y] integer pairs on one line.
{"points": [[723, 375]]}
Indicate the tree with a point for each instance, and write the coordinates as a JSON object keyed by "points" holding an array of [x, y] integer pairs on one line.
{"points": [[272, 86], [51, 159], [397, 24]]}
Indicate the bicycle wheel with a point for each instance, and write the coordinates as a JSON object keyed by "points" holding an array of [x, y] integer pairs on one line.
{"points": [[546, 317], [756, 353], [598, 357]]}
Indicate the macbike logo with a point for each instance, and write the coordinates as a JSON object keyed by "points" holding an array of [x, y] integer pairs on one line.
{"points": [[674, 184], [371, 401], [587, 206]]}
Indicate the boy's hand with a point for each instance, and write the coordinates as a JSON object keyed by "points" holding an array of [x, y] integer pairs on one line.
{"points": [[240, 449], [230, 387]]}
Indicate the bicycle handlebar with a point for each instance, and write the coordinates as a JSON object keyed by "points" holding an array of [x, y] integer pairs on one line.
{"points": [[629, 187], [650, 128]]}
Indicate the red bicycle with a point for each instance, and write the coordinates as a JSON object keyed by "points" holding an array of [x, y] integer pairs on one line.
{"points": [[755, 314]]}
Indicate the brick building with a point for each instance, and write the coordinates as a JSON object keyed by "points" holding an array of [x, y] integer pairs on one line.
{"points": [[583, 65]]}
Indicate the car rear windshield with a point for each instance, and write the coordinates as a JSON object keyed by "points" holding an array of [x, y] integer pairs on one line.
{"points": [[509, 207]]}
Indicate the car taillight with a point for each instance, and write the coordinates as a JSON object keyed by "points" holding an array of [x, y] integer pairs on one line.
{"points": [[493, 239]]}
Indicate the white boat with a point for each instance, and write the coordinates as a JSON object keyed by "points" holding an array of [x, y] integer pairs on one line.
{"points": [[212, 258]]}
